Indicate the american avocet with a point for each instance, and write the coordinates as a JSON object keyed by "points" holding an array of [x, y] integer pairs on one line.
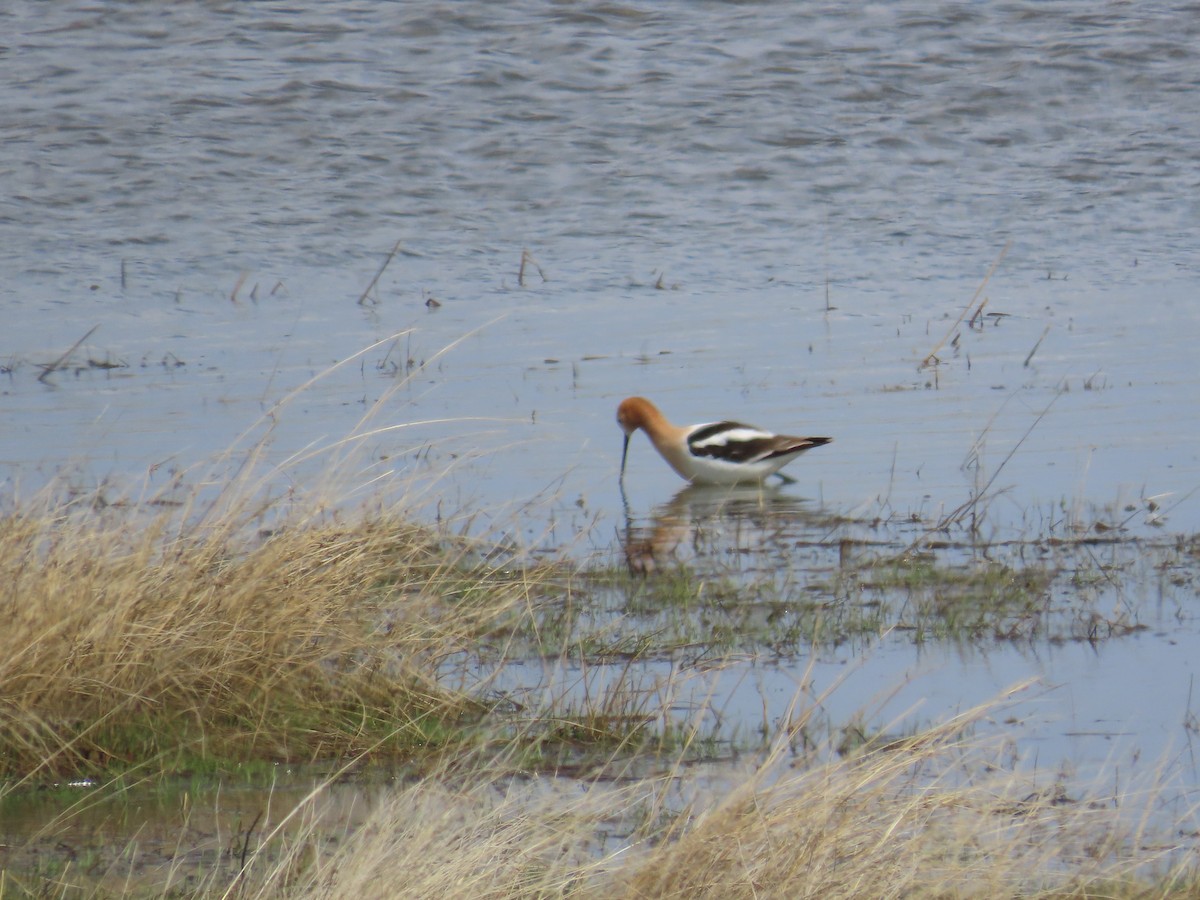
{"points": [[716, 453]]}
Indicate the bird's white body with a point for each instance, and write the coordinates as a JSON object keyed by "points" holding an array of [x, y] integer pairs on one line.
{"points": [[731, 453]]}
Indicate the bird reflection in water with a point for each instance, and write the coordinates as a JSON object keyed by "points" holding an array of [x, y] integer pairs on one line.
{"points": [[706, 521]]}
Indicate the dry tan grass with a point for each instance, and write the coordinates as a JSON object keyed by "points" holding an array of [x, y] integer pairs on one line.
{"points": [[925, 818], [139, 640], [125, 639]]}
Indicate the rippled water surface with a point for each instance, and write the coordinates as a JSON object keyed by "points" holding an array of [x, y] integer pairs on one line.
{"points": [[770, 211]]}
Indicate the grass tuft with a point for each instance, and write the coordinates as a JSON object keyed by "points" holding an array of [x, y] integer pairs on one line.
{"points": [[127, 641]]}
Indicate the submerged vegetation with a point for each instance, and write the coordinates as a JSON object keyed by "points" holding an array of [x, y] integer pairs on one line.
{"points": [[179, 654]]}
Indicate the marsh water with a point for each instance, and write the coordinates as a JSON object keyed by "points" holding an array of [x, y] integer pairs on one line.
{"points": [[519, 213]]}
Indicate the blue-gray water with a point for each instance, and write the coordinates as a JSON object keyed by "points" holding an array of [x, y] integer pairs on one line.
{"points": [[770, 211]]}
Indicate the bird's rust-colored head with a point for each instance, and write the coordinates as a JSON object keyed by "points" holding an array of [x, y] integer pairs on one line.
{"points": [[632, 414]]}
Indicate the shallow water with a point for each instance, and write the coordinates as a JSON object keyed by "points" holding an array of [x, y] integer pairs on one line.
{"points": [[144, 839], [760, 211]]}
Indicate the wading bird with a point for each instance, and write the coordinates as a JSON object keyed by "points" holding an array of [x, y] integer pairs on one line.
{"points": [[716, 453]]}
